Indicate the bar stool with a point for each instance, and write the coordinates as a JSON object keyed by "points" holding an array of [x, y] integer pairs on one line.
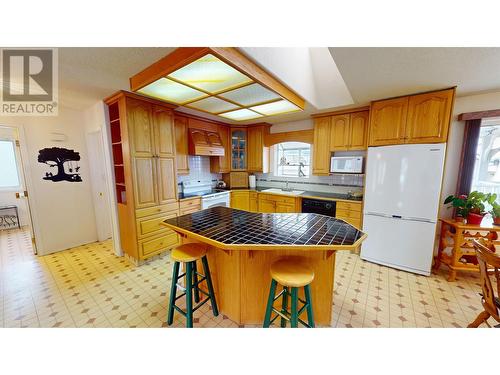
{"points": [[188, 254], [293, 273]]}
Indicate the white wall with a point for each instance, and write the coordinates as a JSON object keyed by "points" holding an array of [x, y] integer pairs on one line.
{"points": [[463, 104], [63, 210]]}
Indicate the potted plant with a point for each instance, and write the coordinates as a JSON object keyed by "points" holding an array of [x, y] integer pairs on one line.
{"points": [[471, 207], [495, 212]]}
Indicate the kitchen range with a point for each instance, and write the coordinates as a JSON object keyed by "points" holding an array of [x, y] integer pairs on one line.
{"points": [[210, 196]]}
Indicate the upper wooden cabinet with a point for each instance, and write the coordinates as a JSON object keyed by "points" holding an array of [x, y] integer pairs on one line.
{"points": [[321, 146], [358, 130], [388, 121], [140, 128], [429, 117], [181, 144], [421, 118], [349, 131], [238, 149], [258, 154], [222, 164], [164, 132], [339, 137]]}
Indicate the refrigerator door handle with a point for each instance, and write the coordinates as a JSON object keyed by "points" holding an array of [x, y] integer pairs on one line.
{"points": [[378, 214], [420, 219]]}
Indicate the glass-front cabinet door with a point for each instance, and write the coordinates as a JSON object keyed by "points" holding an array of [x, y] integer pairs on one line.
{"points": [[238, 149]]}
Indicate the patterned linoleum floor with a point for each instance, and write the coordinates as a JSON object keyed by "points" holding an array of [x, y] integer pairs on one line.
{"points": [[88, 286]]}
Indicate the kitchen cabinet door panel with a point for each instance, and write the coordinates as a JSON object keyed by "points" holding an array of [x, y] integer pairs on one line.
{"points": [[167, 188], [339, 135], [358, 130], [388, 121], [429, 117], [141, 131], [144, 182], [164, 126], [321, 146], [181, 145]]}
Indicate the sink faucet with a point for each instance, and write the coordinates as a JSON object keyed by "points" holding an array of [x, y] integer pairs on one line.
{"points": [[286, 187]]}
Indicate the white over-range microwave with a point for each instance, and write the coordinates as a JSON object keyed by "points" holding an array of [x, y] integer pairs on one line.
{"points": [[346, 164]]}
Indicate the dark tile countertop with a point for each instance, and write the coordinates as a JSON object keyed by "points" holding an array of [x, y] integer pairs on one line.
{"points": [[236, 229], [310, 194]]}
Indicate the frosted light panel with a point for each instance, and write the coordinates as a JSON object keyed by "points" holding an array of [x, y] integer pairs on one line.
{"points": [[213, 105], [275, 108], [8, 166], [171, 91], [210, 74], [250, 95], [240, 115]]}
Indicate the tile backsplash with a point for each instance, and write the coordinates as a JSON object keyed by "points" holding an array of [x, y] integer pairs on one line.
{"points": [[199, 170]]}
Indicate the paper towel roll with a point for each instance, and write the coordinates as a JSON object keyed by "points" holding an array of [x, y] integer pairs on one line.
{"points": [[252, 181]]}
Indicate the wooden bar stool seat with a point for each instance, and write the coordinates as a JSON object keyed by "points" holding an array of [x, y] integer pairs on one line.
{"points": [[293, 273], [188, 254]]}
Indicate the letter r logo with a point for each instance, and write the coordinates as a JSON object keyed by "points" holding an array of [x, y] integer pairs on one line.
{"points": [[27, 75]]}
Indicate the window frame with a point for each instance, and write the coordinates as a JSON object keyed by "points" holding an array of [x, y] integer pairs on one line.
{"points": [[276, 158], [16, 160]]}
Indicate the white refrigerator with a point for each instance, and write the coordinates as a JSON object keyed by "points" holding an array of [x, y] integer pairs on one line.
{"points": [[401, 202]]}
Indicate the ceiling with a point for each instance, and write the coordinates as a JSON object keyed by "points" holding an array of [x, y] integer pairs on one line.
{"points": [[327, 79], [377, 73]]}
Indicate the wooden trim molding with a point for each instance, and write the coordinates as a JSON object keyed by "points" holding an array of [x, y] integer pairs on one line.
{"points": [[133, 95], [478, 115], [468, 157], [306, 136], [341, 112]]}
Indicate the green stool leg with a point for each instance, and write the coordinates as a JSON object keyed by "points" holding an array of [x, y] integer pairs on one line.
{"points": [[189, 295], [173, 292], [206, 271], [309, 308], [270, 301], [195, 283], [294, 319], [284, 306]]}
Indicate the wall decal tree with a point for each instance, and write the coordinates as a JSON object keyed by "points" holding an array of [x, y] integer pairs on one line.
{"points": [[56, 157]]}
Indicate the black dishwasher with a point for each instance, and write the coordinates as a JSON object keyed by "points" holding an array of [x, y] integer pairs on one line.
{"points": [[318, 206]]}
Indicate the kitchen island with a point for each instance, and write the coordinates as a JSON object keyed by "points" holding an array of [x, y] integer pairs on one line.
{"points": [[242, 245]]}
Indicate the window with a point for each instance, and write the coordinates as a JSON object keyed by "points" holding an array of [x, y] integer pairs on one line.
{"points": [[486, 175], [292, 159], [9, 177]]}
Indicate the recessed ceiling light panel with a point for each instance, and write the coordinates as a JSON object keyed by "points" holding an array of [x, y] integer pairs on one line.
{"points": [[250, 95], [210, 74], [241, 115], [274, 108], [171, 91], [213, 105]]}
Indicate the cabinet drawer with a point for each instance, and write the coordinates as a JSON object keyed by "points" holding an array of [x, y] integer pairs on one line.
{"points": [[354, 222], [278, 198], [156, 210], [189, 210], [157, 244], [152, 225], [347, 213], [190, 203], [349, 206]]}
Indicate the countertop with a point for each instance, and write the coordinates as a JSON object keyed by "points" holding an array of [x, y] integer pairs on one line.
{"points": [[307, 194], [232, 229]]}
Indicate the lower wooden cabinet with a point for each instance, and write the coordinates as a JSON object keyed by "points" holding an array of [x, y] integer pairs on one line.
{"points": [[272, 203], [188, 206], [253, 201], [240, 200], [350, 212]]}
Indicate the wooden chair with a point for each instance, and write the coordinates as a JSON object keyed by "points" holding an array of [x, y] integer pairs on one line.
{"points": [[491, 303]]}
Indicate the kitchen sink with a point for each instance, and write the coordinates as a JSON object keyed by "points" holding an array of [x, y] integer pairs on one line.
{"points": [[281, 191]]}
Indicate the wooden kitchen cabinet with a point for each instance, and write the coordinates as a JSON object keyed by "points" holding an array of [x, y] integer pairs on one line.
{"points": [[429, 117], [321, 146], [420, 118], [222, 164], [339, 132], [388, 121], [240, 200], [273, 203], [147, 167], [350, 212], [258, 154], [349, 131], [181, 144], [253, 200], [238, 149]]}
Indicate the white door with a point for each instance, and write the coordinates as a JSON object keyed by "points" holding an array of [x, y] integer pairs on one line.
{"points": [[404, 180], [99, 186], [402, 244]]}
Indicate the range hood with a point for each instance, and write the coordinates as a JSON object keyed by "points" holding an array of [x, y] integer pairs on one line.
{"points": [[205, 143]]}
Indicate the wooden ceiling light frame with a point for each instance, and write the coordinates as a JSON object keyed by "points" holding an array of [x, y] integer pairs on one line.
{"points": [[183, 56]]}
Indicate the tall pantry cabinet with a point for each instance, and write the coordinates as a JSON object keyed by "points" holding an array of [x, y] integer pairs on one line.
{"points": [[143, 138]]}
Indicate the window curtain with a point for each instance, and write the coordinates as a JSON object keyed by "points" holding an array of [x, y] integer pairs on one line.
{"points": [[471, 136]]}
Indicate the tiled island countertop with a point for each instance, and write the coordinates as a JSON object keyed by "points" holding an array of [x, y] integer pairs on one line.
{"points": [[242, 245], [233, 229]]}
